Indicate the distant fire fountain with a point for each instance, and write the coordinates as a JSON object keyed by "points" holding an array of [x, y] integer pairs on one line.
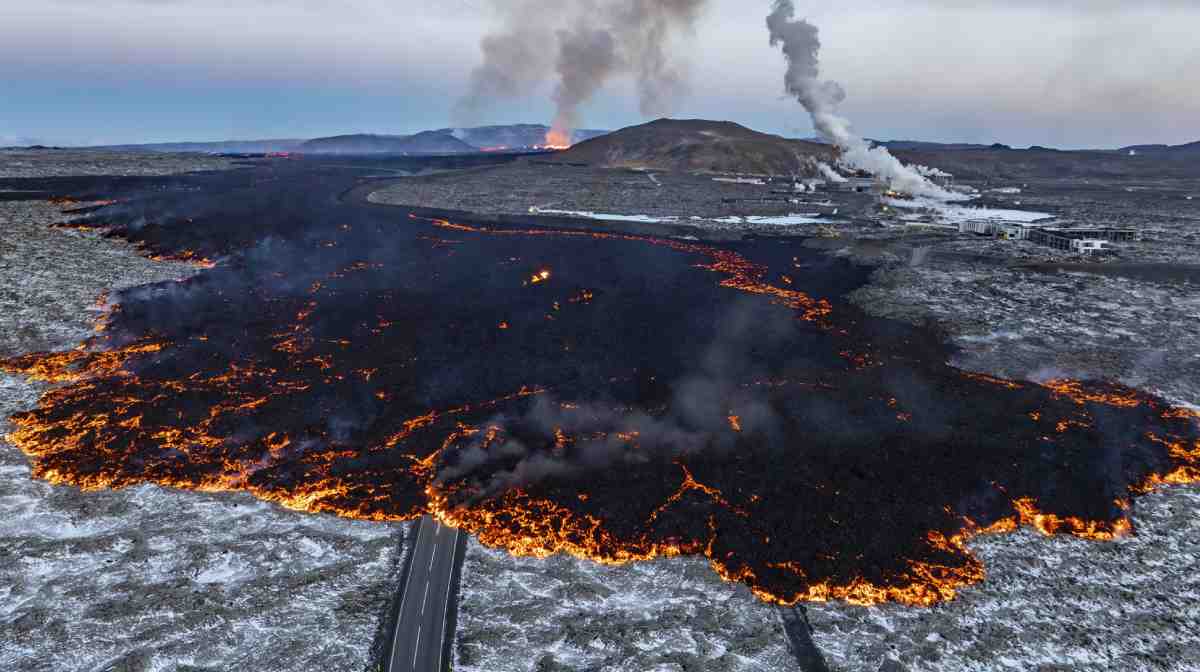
{"points": [[558, 138]]}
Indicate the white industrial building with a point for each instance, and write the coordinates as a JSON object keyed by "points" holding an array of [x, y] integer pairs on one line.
{"points": [[1090, 246]]}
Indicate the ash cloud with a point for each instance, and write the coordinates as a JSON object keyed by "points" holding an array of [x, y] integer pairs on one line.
{"points": [[586, 59], [801, 45], [515, 60], [592, 42]]}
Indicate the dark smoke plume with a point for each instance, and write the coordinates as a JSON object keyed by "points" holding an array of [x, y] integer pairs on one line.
{"points": [[586, 58], [594, 40], [515, 59]]}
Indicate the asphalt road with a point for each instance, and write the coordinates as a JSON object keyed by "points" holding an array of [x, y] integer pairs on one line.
{"points": [[424, 627]]}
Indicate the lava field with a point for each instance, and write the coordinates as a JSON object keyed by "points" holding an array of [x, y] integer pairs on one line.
{"points": [[613, 396]]}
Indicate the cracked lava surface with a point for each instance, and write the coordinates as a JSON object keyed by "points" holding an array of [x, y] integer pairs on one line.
{"points": [[616, 397]]}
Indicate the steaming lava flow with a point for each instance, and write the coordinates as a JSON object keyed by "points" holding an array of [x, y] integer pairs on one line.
{"points": [[643, 398]]}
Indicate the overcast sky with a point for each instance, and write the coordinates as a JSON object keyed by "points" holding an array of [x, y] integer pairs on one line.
{"points": [[1066, 73]]}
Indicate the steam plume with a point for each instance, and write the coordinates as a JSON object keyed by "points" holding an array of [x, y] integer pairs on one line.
{"points": [[801, 46], [594, 40]]}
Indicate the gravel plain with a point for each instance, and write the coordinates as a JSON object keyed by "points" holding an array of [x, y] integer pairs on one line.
{"points": [[75, 162], [697, 200]]}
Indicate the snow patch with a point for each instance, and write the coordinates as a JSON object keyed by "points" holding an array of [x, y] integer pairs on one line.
{"points": [[776, 220], [957, 214], [587, 214]]}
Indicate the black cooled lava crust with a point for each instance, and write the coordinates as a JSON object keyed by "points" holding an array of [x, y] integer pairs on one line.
{"points": [[612, 396]]}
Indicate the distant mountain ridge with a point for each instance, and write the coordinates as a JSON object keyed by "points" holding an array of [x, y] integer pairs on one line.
{"points": [[918, 145], [425, 142], [1190, 148], [698, 145], [921, 146], [440, 141], [220, 147]]}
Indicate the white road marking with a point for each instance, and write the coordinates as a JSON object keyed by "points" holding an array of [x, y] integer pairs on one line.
{"points": [[404, 596], [446, 610], [416, 646], [425, 599]]}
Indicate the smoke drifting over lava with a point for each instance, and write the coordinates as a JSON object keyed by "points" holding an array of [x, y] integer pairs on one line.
{"points": [[646, 398], [582, 44], [801, 46]]}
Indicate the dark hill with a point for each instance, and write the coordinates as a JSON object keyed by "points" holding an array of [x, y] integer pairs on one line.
{"points": [[425, 142], [1190, 148], [696, 145], [920, 145], [1176, 163]]}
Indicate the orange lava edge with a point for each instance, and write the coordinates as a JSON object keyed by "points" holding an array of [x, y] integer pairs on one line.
{"points": [[550, 528]]}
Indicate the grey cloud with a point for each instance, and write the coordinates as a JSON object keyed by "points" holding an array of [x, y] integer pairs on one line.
{"points": [[595, 40]]}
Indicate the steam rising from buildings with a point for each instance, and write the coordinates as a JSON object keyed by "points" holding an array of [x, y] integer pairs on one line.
{"points": [[801, 46], [594, 40]]}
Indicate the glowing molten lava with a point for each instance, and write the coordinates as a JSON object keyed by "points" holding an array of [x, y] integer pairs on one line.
{"points": [[805, 476]]}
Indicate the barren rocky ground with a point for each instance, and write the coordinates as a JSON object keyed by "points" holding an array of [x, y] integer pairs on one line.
{"points": [[513, 189], [1030, 325], [520, 614], [1132, 317], [149, 578], [71, 162]]}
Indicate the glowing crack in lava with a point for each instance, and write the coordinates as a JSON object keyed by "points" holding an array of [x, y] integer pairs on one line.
{"points": [[649, 398]]}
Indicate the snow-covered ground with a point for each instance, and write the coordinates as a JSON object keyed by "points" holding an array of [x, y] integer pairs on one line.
{"points": [[960, 213], [587, 214], [770, 220], [779, 220], [523, 614]]}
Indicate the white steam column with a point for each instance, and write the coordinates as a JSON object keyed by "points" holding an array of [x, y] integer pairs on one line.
{"points": [[801, 46]]}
